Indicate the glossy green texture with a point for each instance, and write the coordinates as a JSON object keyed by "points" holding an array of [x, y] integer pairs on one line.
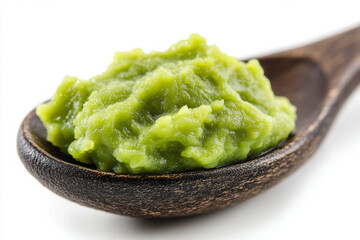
{"points": [[189, 107]]}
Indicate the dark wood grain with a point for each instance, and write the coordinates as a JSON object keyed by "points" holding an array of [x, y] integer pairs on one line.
{"points": [[317, 78]]}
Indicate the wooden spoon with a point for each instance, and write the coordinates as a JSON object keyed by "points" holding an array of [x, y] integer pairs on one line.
{"points": [[316, 78]]}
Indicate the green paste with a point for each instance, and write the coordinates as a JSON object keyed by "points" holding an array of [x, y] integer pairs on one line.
{"points": [[187, 108]]}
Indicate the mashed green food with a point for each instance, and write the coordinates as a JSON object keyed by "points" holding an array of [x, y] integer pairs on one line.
{"points": [[187, 108]]}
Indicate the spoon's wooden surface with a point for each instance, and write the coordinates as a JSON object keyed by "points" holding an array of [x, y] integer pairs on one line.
{"points": [[316, 78]]}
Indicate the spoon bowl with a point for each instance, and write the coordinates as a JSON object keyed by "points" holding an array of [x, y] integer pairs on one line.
{"points": [[316, 78]]}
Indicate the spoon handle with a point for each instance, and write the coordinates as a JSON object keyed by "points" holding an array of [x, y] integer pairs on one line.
{"points": [[338, 56]]}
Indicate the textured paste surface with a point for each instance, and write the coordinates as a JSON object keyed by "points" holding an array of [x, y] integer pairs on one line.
{"points": [[189, 107]]}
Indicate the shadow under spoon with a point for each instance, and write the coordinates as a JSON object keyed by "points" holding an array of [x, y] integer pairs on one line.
{"points": [[316, 78]]}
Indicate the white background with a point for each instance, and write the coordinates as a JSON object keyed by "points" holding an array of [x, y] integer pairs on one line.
{"points": [[42, 41]]}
